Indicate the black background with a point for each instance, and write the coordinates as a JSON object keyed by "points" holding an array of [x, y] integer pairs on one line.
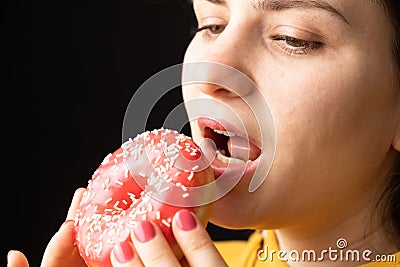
{"points": [[72, 68]]}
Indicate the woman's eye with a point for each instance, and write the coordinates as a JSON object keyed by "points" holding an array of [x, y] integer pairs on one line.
{"points": [[294, 45], [211, 30]]}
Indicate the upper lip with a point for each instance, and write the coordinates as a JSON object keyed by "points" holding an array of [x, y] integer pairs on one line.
{"points": [[219, 124]]}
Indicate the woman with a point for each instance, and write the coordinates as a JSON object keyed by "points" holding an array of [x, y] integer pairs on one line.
{"points": [[330, 70]]}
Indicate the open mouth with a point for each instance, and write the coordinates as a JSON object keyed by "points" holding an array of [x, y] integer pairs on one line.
{"points": [[232, 147]]}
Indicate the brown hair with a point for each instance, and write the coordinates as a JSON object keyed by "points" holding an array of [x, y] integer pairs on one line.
{"points": [[392, 10], [391, 194]]}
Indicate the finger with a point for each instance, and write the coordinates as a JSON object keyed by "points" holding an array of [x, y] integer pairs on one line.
{"points": [[194, 241], [151, 246], [16, 258], [75, 203], [76, 259], [59, 250], [123, 255]]}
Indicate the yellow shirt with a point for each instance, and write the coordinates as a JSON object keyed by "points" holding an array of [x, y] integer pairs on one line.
{"points": [[241, 253]]}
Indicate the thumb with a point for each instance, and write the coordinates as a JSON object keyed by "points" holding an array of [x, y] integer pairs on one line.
{"points": [[16, 258], [59, 250]]}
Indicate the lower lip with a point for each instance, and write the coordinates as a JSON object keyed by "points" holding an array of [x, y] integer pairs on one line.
{"points": [[233, 169]]}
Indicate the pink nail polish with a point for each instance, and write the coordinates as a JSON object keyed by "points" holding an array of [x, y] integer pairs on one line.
{"points": [[144, 231], [185, 220], [123, 252]]}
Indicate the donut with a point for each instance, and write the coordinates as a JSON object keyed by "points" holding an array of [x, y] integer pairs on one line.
{"points": [[148, 177]]}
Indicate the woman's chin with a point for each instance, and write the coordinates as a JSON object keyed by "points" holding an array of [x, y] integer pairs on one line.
{"points": [[227, 214]]}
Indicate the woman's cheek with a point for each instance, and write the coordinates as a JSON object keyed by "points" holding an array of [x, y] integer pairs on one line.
{"points": [[190, 52]]}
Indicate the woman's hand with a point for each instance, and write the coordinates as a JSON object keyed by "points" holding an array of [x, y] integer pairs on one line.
{"points": [[60, 251], [150, 248]]}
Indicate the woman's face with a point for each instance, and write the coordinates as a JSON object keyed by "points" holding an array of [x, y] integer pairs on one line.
{"points": [[327, 71]]}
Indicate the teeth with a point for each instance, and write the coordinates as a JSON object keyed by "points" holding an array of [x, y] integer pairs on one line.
{"points": [[226, 133], [226, 159]]}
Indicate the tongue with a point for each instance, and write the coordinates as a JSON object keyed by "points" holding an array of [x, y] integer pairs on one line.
{"points": [[241, 148]]}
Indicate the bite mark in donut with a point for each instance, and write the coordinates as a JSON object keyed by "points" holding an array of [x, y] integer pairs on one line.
{"points": [[141, 180]]}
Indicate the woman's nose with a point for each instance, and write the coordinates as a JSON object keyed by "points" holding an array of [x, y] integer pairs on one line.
{"points": [[223, 66], [217, 79]]}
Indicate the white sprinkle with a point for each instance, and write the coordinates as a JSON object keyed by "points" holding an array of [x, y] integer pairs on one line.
{"points": [[178, 184], [192, 154], [111, 232], [142, 174], [184, 188], [149, 207], [163, 221], [108, 200], [195, 167], [166, 188], [132, 196], [158, 215], [162, 168], [106, 159], [119, 182], [98, 248], [113, 168], [125, 202], [87, 249], [185, 195], [177, 174], [190, 177], [133, 215], [141, 211], [171, 153]]}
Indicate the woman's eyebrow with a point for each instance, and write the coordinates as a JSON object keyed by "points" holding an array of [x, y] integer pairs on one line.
{"points": [[217, 2], [279, 5]]}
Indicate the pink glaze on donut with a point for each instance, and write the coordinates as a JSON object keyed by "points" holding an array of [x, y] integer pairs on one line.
{"points": [[125, 189]]}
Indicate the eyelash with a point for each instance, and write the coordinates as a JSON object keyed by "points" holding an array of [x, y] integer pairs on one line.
{"points": [[209, 31], [289, 45], [287, 42]]}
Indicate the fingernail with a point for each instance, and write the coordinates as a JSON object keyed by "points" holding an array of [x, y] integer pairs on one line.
{"points": [[123, 252], [185, 220], [144, 231], [67, 221]]}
